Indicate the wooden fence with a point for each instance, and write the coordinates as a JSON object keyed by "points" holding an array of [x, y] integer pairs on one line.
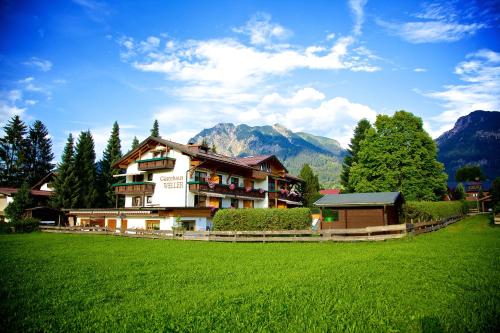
{"points": [[337, 235]]}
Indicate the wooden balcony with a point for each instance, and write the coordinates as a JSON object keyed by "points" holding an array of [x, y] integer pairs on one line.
{"points": [[284, 196], [139, 188], [158, 163], [226, 190]]}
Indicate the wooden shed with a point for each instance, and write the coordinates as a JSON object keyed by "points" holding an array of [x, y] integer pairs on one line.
{"points": [[359, 210]]}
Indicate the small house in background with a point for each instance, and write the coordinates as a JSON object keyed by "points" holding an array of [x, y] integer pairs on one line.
{"points": [[478, 191], [45, 184], [329, 191], [40, 198], [359, 210]]}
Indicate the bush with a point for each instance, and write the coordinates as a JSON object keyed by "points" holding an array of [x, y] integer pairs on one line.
{"points": [[28, 224], [428, 210], [262, 219]]}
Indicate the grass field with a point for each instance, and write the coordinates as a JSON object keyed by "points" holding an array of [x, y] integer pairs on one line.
{"points": [[446, 281]]}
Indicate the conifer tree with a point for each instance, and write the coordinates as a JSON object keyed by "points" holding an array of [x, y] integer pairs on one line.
{"points": [[39, 155], [352, 153], [22, 200], [214, 149], [13, 153], [155, 131], [111, 154], [310, 188], [135, 143], [85, 169], [65, 184], [398, 155]]}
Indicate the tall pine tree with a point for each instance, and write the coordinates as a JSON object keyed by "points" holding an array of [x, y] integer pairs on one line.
{"points": [[310, 188], [352, 153], [135, 143], [38, 153], [111, 154], [155, 131], [85, 169], [398, 155], [13, 153], [65, 184]]}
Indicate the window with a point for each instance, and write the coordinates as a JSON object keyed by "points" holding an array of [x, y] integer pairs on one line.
{"points": [[149, 199], [200, 176], [234, 203], [136, 201], [330, 215], [270, 185], [137, 178], [235, 181], [150, 177], [200, 201], [152, 224], [220, 179]]}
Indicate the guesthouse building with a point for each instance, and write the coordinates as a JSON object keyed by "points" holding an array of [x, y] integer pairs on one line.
{"points": [[164, 184]]}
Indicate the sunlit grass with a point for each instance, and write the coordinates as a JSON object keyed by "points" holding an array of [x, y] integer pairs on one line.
{"points": [[443, 281]]}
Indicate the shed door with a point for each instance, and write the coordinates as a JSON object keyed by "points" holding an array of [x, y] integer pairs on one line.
{"points": [[365, 217], [112, 224]]}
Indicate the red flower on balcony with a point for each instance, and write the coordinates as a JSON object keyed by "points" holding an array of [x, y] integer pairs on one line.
{"points": [[261, 191], [232, 187], [211, 184], [248, 189]]}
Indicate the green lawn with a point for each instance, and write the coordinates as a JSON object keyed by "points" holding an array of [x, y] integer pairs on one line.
{"points": [[447, 281]]}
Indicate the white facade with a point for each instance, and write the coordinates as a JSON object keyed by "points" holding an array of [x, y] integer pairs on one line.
{"points": [[172, 188]]}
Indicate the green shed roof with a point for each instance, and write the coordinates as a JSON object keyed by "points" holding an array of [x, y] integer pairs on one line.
{"points": [[359, 199]]}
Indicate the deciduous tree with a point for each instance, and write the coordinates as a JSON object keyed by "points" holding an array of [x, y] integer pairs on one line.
{"points": [[398, 155], [469, 173], [22, 200]]}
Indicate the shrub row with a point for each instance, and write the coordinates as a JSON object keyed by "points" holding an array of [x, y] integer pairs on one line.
{"points": [[428, 210], [262, 219], [28, 224]]}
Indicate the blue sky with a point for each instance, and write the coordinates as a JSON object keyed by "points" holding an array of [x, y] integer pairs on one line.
{"points": [[315, 66]]}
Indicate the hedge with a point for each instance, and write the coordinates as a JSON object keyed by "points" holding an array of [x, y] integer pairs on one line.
{"points": [[428, 210], [27, 224], [262, 219]]}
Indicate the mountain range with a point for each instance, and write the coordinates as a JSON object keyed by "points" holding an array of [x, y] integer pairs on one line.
{"points": [[324, 155], [475, 139]]}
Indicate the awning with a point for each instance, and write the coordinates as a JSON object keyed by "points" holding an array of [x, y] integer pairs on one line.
{"points": [[291, 202], [213, 195], [129, 174]]}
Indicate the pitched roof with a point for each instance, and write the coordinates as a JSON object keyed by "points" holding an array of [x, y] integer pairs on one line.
{"points": [[11, 191], [254, 160], [330, 191], [359, 199], [48, 177]]}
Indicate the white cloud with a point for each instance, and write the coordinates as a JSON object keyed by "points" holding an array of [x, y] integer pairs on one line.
{"points": [[262, 31], [431, 32], [41, 64], [480, 90], [229, 71], [420, 70], [357, 8], [438, 22], [7, 110], [301, 96]]}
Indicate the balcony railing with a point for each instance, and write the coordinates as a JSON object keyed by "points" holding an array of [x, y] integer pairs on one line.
{"points": [[134, 188], [284, 196], [226, 190], [156, 163]]}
